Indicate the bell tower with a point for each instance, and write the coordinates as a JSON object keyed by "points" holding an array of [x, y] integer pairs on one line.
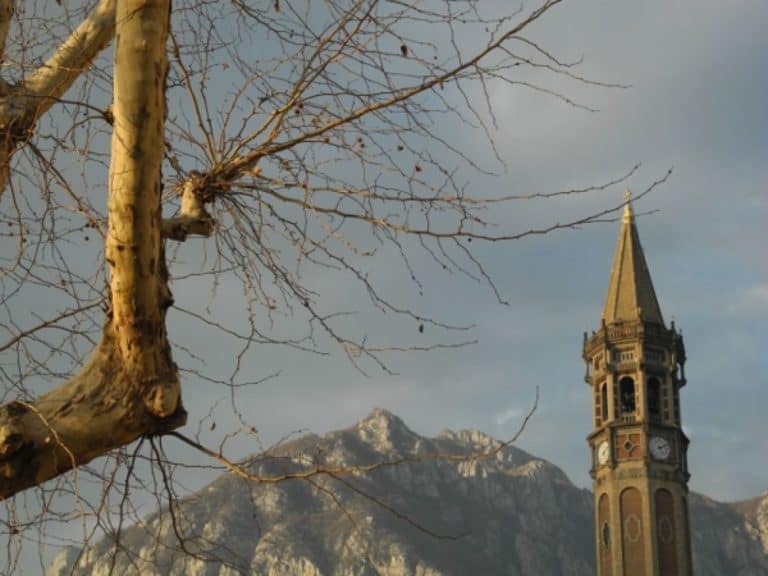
{"points": [[635, 370]]}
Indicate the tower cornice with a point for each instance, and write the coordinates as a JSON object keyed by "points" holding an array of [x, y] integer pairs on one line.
{"points": [[635, 331]]}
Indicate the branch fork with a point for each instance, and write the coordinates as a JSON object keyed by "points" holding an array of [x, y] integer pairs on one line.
{"points": [[193, 218]]}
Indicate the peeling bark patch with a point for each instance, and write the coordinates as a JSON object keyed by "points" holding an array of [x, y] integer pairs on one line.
{"points": [[65, 409], [11, 469], [11, 429], [162, 400], [10, 442], [14, 409]]}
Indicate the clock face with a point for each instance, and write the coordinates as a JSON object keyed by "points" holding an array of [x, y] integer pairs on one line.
{"points": [[659, 447], [603, 452]]}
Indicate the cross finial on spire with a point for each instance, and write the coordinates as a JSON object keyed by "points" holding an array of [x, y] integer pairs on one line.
{"points": [[627, 216]]}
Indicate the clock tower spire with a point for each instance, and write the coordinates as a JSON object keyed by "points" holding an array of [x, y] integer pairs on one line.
{"points": [[635, 370]]}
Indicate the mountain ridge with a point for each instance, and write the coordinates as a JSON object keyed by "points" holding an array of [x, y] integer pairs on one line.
{"points": [[508, 513]]}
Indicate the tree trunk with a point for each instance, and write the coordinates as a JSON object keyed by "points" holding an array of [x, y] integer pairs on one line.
{"points": [[130, 385]]}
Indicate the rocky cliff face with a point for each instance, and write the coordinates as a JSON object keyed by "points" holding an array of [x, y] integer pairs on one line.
{"points": [[729, 539], [510, 514]]}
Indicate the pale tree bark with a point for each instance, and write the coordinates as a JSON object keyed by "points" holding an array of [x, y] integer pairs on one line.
{"points": [[130, 385]]}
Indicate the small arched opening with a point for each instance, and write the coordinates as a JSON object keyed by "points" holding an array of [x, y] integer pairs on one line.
{"points": [[604, 402], [627, 403]]}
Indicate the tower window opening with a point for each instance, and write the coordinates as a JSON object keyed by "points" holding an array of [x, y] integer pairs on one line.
{"points": [[654, 397], [627, 395]]}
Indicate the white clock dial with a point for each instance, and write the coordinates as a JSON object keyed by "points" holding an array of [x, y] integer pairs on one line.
{"points": [[603, 452], [659, 447]]}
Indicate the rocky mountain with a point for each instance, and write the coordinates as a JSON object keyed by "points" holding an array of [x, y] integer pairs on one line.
{"points": [[508, 514]]}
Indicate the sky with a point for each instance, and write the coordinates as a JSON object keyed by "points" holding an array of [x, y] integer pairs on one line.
{"points": [[696, 105]]}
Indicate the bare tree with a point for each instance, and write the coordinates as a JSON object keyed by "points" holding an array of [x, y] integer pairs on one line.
{"points": [[296, 136]]}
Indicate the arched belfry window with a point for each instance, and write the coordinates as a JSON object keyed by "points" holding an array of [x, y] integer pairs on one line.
{"points": [[604, 402], [654, 398], [627, 395]]}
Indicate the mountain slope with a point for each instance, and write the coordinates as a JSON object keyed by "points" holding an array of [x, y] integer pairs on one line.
{"points": [[509, 514]]}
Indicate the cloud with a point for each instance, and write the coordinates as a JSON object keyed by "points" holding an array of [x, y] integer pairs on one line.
{"points": [[508, 415], [752, 301], [725, 436]]}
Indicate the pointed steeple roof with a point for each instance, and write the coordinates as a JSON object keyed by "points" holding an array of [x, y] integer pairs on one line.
{"points": [[630, 290]]}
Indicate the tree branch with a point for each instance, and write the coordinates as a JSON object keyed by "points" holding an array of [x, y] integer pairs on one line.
{"points": [[22, 107], [130, 385], [53, 78], [180, 227], [7, 8], [230, 170], [194, 219]]}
